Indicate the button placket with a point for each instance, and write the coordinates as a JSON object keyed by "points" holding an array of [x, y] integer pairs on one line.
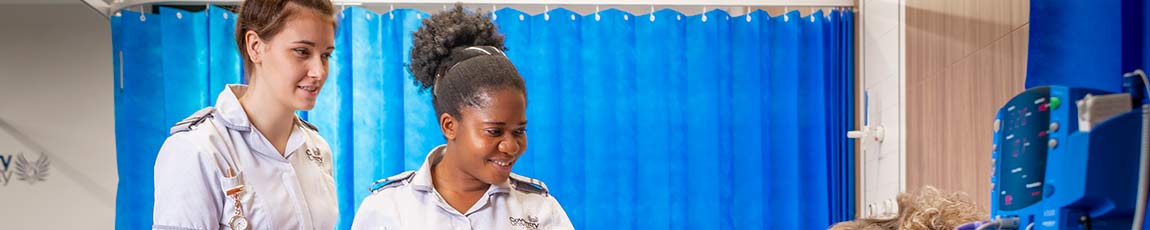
{"points": [[289, 178]]}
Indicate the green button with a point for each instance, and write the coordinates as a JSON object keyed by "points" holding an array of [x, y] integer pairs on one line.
{"points": [[1055, 102]]}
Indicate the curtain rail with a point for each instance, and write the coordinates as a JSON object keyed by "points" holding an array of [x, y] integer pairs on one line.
{"points": [[106, 9]]}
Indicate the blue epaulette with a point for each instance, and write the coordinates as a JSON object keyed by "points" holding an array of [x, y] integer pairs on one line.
{"points": [[192, 121], [528, 185], [390, 181]]}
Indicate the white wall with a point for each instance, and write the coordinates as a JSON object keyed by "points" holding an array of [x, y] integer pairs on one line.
{"points": [[56, 97], [883, 77]]}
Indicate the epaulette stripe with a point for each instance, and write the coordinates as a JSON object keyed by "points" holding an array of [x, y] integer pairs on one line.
{"points": [[308, 125], [383, 183], [196, 118], [534, 184]]}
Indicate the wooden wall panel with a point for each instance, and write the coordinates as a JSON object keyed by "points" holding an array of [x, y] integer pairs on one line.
{"points": [[964, 60]]}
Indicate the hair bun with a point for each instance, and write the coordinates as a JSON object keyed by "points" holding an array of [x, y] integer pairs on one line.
{"points": [[443, 33]]}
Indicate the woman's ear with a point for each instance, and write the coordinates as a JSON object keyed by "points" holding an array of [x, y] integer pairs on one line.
{"points": [[254, 46], [448, 125]]}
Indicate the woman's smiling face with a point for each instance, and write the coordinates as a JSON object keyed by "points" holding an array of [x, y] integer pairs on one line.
{"points": [[490, 138], [293, 63]]}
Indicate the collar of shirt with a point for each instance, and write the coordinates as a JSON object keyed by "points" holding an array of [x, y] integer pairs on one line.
{"points": [[422, 181], [234, 118]]}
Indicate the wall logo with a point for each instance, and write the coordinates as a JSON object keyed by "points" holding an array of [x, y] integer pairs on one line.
{"points": [[18, 167]]}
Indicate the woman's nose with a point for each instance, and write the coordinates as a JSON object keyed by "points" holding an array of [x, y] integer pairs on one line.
{"points": [[317, 70], [509, 147]]}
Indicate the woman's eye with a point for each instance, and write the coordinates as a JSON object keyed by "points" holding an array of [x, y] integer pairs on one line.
{"points": [[521, 132], [494, 132], [326, 56], [301, 52]]}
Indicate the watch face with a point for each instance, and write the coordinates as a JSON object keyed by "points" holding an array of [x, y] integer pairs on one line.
{"points": [[238, 223]]}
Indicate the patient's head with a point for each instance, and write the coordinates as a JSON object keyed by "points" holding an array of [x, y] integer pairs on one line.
{"points": [[929, 209]]}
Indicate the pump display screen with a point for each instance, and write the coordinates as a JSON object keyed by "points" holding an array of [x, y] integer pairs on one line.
{"points": [[1022, 143]]}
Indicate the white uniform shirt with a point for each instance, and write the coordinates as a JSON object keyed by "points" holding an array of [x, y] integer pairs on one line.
{"points": [[409, 201], [292, 191]]}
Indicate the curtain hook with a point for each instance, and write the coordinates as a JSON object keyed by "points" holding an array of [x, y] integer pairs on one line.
{"points": [[143, 18], [652, 12], [786, 10], [493, 16], [546, 12], [813, 14], [596, 13], [747, 10], [704, 13]]}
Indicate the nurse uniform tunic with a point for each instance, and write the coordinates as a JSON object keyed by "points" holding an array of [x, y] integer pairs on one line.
{"points": [[409, 201], [217, 149]]}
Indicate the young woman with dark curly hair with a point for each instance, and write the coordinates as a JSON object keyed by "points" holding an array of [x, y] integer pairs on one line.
{"points": [[481, 102]]}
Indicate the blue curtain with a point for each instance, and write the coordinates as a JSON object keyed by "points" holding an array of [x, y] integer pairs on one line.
{"points": [[167, 65], [1110, 37], [655, 121], [1088, 44]]}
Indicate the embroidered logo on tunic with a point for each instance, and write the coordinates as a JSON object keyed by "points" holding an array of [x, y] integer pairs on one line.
{"points": [[314, 155], [530, 222]]}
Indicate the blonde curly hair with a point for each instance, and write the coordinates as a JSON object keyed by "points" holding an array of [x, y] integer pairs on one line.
{"points": [[929, 209]]}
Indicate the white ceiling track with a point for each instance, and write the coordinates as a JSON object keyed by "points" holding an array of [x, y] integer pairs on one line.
{"points": [[105, 8]]}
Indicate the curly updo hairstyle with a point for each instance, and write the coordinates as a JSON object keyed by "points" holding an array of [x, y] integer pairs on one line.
{"points": [[458, 55]]}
